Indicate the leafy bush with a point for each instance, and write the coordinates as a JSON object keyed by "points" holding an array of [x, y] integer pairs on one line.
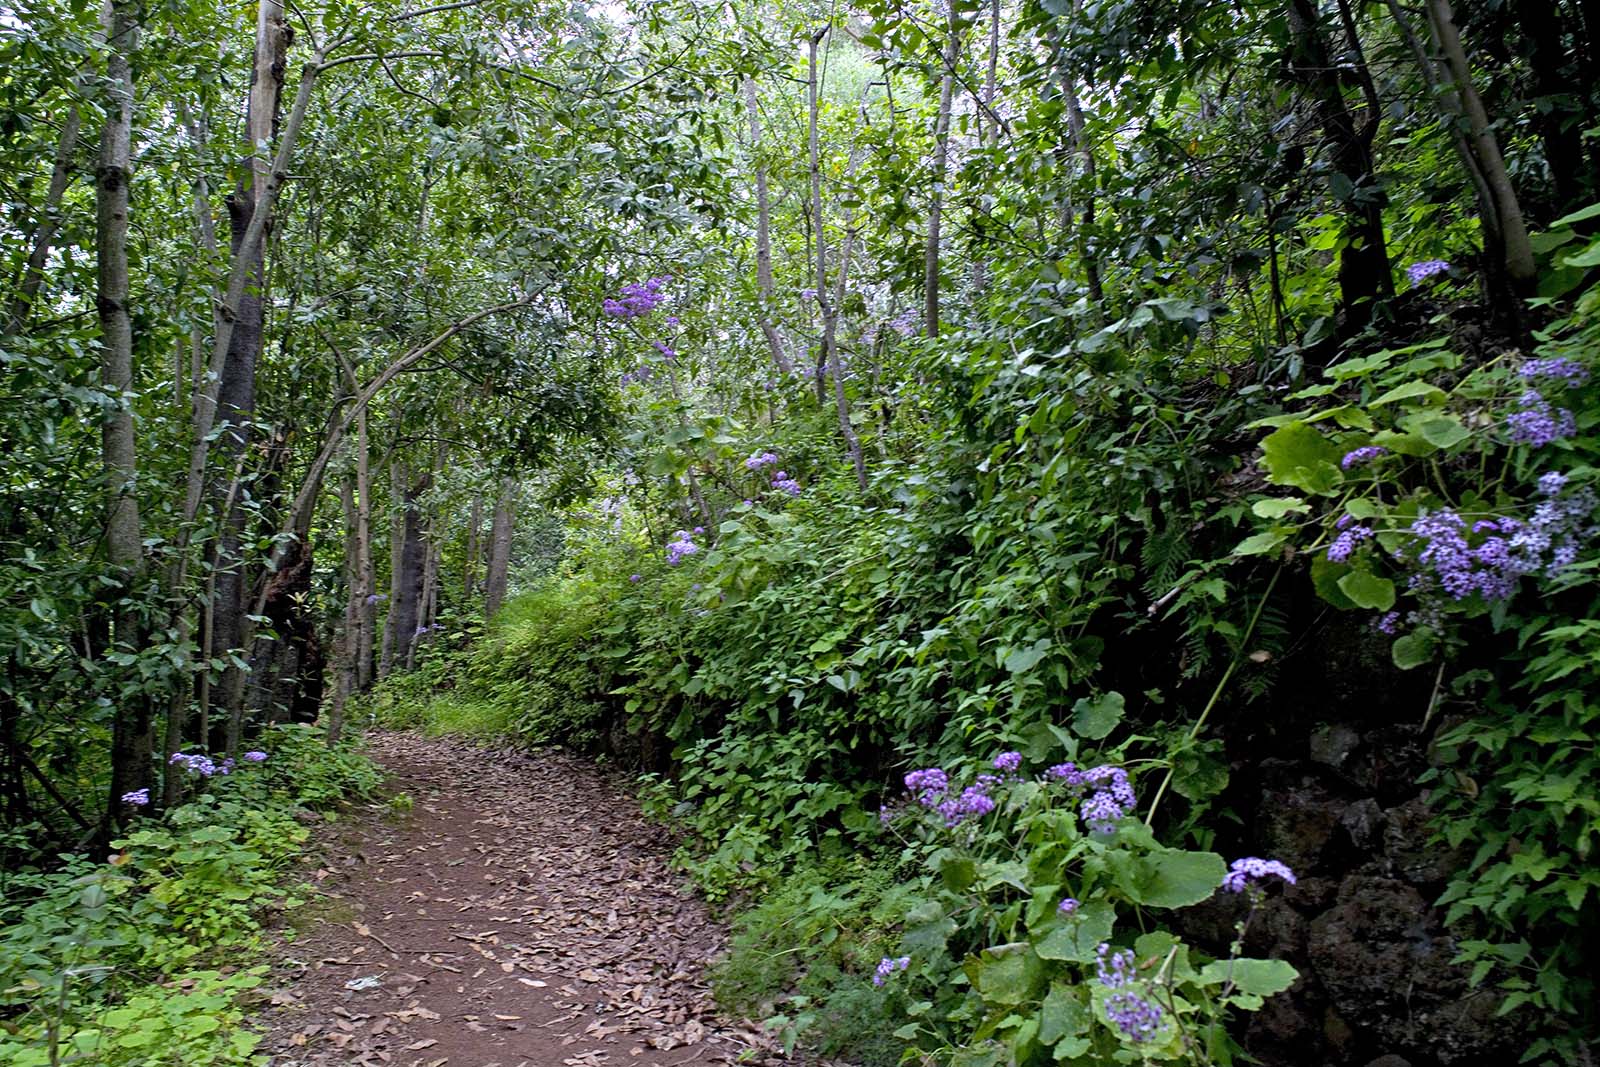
{"points": [[107, 963]]}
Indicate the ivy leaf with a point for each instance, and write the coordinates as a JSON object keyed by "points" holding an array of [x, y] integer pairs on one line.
{"points": [[1367, 590], [1261, 978]]}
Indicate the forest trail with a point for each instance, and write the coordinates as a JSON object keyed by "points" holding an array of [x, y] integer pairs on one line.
{"points": [[522, 914]]}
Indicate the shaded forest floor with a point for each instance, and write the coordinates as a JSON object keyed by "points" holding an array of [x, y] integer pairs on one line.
{"points": [[520, 914]]}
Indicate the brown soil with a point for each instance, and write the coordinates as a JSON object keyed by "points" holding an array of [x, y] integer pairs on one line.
{"points": [[521, 915]]}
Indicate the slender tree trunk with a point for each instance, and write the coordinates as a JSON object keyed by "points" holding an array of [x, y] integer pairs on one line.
{"points": [[346, 647], [1364, 260], [397, 537], [474, 532], [44, 232], [780, 357], [989, 138], [366, 578], [236, 392], [405, 608], [1519, 262], [501, 526], [130, 744], [941, 158]]}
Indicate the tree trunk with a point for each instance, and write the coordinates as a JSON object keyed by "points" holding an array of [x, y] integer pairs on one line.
{"points": [[941, 157], [1364, 260], [501, 526], [346, 647], [780, 358], [44, 232], [236, 392], [988, 137], [130, 743], [474, 534], [404, 609], [366, 577], [1519, 263]]}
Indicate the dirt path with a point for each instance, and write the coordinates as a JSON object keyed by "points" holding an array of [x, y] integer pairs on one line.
{"points": [[522, 915]]}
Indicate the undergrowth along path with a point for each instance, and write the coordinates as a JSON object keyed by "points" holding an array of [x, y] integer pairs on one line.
{"points": [[522, 914]]}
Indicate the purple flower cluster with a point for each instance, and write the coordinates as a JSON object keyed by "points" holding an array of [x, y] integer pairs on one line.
{"points": [[138, 798], [373, 598], [760, 459], [785, 484], [666, 350], [1538, 423], [1068, 906], [1252, 871], [681, 545], [635, 577], [1361, 456], [196, 763], [1346, 542], [931, 788], [1507, 548], [1427, 268], [906, 323], [808, 294], [640, 374], [1110, 794], [1555, 369], [423, 631], [1009, 762], [887, 967], [1138, 1019], [255, 756], [1114, 969], [637, 299]]}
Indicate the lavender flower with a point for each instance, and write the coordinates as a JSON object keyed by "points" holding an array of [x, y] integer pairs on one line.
{"points": [[1362, 456], [1537, 423], [1110, 802], [808, 294], [928, 785], [672, 320], [1551, 483], [1138, 1019], [1252, 871], [759, 460], [1388, 623], [196, 763], [635, 577], [255, 756], [1556, 369], [907, 322], [681, 546], [1346, 543], [1008, 762], [1114, 969], [1427, 268], [636, 299], [373, 598], [887, 967], [973, 803], [785, 484], [1069, 906], [138, 798], [1066, 772]]}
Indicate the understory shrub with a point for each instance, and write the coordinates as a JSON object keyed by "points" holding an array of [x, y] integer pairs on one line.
{"points": [[135, 961]]}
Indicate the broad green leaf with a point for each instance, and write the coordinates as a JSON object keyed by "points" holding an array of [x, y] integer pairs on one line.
{"points": [[1299, 456], [1410, 391], [1177, 878], [1094, 719], [1261, 978], [1278, 507], [1259, 544], [1412, 650], [1063, 1014], [1367, 590]]}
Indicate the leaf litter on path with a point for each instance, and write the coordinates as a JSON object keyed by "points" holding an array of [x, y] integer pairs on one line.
{"points": [[524, 915]]}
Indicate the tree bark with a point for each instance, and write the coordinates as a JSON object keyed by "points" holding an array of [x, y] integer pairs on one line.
{"points": [[130, 743], [474, 533], [1519, 262], [404, 609], [1364, 260], [44, 231], [500, 530], [366, 578], [236, 391], [780, 357]]}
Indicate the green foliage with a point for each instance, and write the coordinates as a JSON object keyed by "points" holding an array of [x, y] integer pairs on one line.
{"points": [[118, 963], [1513, 787]]}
